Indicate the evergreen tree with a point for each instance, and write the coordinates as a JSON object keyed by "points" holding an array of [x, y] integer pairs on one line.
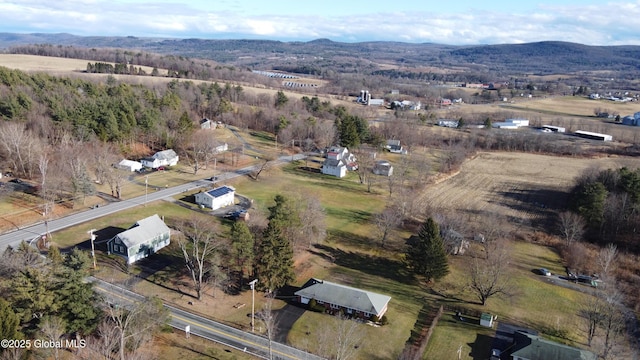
{"points": [[281, 99], [274, 263], [427, 256], [589, 202], [75, 299], [9, 322], [242, 246]]}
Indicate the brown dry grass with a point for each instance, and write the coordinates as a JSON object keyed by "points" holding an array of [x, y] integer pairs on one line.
{"points": [[51, 65], [519, 186]]}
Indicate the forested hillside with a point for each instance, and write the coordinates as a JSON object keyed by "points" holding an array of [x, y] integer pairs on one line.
{"points": [[551, 57]]}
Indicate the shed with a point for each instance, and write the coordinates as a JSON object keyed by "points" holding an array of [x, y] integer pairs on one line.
{"points": [[486, 319]]}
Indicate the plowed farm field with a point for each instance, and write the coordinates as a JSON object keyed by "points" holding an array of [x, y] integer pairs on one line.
{"points": [[527, 189]]}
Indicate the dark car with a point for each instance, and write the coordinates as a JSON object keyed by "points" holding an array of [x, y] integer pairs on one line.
{"points": [[213, 178], [16, 180], [544, 272]]}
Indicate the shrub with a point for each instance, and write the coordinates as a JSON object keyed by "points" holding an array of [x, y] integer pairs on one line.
{"points": [[384, 320], [314, 306]]}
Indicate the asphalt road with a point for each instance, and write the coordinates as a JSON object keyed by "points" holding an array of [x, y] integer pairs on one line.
{"points": [[199, 326], [28, 233]]}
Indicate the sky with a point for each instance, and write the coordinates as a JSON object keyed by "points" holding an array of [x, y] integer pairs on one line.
{"points": [[457, 22]]}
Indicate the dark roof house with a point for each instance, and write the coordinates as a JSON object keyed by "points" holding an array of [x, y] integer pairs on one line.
{"points": [[533, 347], [335, 296]]}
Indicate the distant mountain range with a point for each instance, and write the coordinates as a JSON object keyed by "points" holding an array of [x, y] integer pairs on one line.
{"points": [[549, 57]]}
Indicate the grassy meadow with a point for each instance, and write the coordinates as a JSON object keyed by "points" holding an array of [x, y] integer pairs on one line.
{"points": [[352, 256]]}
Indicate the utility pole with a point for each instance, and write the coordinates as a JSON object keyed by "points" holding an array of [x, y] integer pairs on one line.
{"points": [[93, 249], [253, 301], [146, 187]]}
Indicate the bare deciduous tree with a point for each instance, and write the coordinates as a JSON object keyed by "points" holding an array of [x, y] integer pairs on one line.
{"points": [[265, 164], [571, 226], [20, 146], [591, 311], [385, 222], [199, 248], [606, 260], [488, 276], [102, 345], [269, 320], [313, 221], [52, 329], [135, 325]]}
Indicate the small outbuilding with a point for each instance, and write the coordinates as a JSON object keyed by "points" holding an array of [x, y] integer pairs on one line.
{"points": [[217, 198], [383, 167], [486, 319], [129, 165]]}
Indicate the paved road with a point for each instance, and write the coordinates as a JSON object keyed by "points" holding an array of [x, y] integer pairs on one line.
{"points": [[199, 326], [30, 232]]}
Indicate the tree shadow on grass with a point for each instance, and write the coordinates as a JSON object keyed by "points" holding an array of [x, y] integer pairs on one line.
{"points": [[372, 265]]}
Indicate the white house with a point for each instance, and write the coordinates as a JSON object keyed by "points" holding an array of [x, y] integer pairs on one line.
{"points": [[205, 123], [161, 158], [335, 297], [338, 161], [144, 238], [511, 124], [448, 123], [129, 165], [217, 198]]}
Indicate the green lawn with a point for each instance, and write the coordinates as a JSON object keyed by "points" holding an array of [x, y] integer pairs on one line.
{"points": [[352, 256]]}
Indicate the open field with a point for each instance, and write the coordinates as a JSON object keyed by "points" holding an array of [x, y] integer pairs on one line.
{"points": [[52, 65], [524, 188], [577, 105]]}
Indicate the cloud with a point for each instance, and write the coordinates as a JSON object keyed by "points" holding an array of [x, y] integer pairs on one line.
{"points": [[602, 24]]}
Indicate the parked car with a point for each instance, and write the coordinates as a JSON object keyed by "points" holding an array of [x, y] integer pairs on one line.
{"points": [[544, 272], [16, 180], [161, 168]]}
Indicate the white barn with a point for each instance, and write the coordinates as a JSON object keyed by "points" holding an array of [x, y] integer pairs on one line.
{"points": [[217, 198]]}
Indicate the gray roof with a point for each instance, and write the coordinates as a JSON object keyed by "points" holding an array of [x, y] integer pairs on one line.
{"points": [[345, 296], [533, 347], [333, 162], [165, 155], [143, 230]]}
